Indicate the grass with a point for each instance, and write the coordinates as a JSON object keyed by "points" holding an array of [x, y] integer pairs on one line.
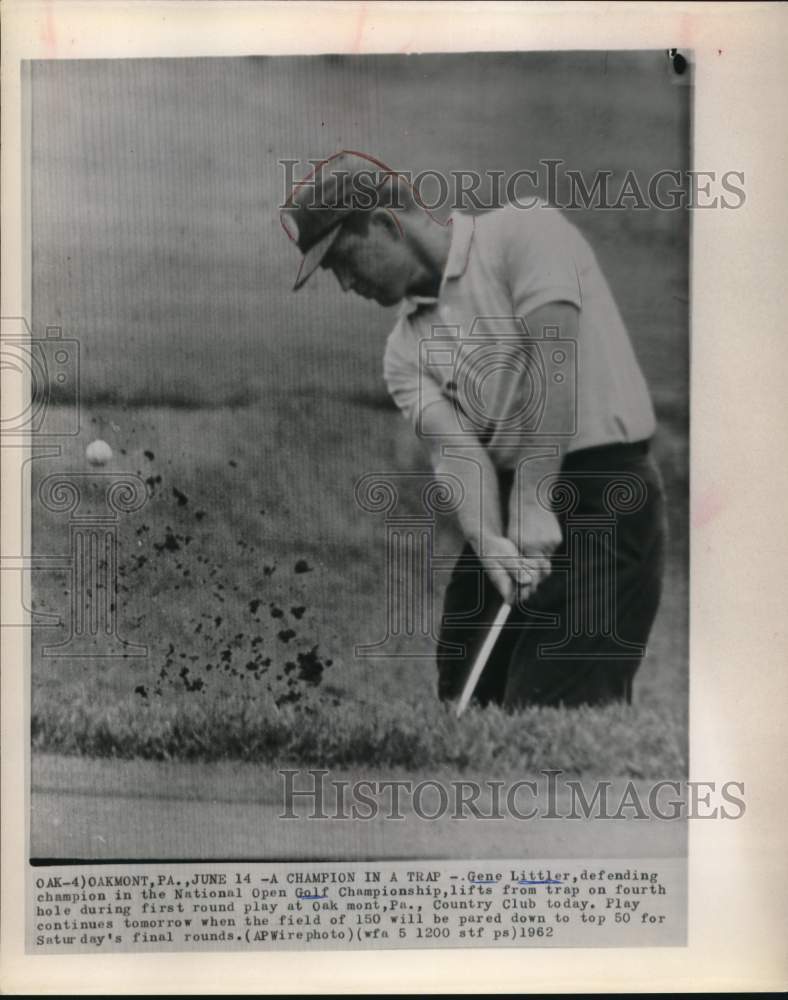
{"points": [[618, 740]]}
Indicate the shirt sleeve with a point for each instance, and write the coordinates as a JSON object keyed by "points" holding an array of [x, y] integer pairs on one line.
{"points": [[539, 259], [411, 388]]}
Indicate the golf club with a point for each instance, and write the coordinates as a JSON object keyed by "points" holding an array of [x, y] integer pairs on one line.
{"points": [[482, 656]]}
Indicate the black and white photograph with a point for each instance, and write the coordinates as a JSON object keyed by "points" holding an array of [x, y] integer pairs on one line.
{"points": [[356, 458], [372, 418]]}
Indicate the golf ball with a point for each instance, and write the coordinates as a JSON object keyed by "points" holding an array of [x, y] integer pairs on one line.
{"points": [[98, 453]]}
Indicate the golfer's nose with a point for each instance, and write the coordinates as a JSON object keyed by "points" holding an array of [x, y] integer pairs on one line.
{"points": [[344, 280]]}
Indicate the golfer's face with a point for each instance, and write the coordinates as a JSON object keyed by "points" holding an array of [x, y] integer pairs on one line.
{"points": [[375, 262]]}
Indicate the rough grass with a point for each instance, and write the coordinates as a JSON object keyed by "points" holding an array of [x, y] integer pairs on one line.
{"points": [[619, 740], [219, 680]]}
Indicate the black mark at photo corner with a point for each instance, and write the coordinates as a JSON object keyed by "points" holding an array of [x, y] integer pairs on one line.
{"points": [[680, 66]]}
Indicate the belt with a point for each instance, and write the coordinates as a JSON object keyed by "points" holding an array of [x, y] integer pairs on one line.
{"points": [[606, 456], [602, 458]]}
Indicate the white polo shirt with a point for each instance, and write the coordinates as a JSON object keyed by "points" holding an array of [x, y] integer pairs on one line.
{"points": [[472, 344]]}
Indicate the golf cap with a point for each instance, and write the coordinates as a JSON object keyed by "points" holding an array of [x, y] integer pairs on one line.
{"points": [[333, 192]]}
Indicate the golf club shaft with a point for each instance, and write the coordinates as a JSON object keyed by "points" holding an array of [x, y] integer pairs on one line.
{"points": [[482, 656]]}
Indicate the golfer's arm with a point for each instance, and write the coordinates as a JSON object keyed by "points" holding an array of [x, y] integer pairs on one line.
{"points": [[460, 454], [558, 416]]}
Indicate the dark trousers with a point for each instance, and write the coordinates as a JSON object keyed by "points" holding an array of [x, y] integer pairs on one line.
{"points": [[580, 638]]}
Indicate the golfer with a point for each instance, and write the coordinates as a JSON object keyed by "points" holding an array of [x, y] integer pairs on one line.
{"points": [[511, 362]]}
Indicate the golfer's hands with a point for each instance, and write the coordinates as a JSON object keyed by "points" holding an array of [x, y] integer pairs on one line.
{"points": [[505, 566], [536, 536]]}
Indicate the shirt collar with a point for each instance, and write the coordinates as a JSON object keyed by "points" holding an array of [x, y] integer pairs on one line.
{"points": [[462, 227]]}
